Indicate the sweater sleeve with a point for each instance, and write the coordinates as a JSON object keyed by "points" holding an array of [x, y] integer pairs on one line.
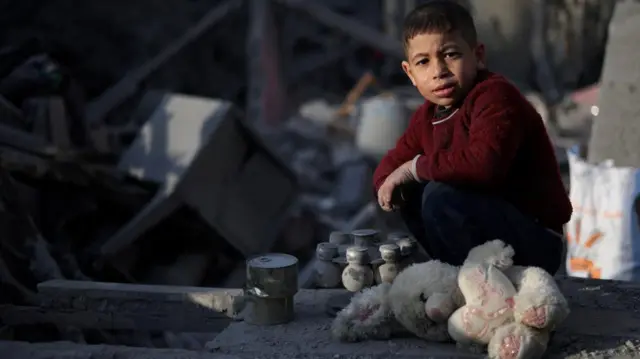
{"points": [[498, 118], [407, 147]]}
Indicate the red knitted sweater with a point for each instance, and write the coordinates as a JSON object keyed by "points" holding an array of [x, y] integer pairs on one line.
{"points": [[495, 143]]}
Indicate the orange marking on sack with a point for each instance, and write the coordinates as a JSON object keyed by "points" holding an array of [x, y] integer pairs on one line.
{"points": [[585, 265], [593, 238]]}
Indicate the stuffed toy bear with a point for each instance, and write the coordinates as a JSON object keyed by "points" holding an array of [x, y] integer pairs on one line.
{"points": [[487, 303]]}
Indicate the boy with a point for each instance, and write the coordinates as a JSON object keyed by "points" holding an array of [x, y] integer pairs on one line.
{"points": [[475, 162]]}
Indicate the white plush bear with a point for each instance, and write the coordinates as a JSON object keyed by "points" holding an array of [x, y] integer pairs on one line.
{"points": [[487, 302]]}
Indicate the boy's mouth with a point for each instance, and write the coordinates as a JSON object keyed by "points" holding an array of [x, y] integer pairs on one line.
{"points": [[445, 90]]}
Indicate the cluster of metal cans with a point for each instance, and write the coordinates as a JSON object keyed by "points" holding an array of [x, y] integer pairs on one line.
{"points": [[363, 258]]}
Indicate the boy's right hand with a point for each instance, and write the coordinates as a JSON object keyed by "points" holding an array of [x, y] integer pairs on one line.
{"points": [[396, 200], [386, 192]]}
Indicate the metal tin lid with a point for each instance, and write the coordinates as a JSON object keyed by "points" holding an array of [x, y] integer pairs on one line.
{"points": [[339, 238], [377, 262], [357, 254], [395, 236], [370, 233], [272, 261], [365, 237], [340, 260], [389, 251], [326, 250]]}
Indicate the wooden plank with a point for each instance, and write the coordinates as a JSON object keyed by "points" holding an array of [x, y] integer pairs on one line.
{"points": [[9, 114], [37, 113], [58, 123], [128, 85], [25, 141], [317, 60], [131, 306], [266, 94], [355, 29]]}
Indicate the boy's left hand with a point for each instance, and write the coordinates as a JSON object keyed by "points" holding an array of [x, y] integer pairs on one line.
{"points": [[400, 176]]}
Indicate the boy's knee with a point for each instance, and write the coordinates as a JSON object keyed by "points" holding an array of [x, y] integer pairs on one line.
{"points": [[436, 196]]}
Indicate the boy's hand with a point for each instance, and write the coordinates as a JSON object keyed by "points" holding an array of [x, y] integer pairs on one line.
{"points": [[400, 176]]}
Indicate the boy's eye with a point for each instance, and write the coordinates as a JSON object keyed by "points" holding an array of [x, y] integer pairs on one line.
{"points": [[452, 55], [422, 62]]}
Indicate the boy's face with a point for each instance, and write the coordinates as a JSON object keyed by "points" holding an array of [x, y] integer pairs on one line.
{"points": [[442, 67]]}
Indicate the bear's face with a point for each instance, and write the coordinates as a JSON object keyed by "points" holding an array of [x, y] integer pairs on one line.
{"points": [[489, 303], [412, 288]]}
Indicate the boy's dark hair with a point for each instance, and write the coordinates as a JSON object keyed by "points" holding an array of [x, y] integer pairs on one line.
{"points": [[439, 16]]}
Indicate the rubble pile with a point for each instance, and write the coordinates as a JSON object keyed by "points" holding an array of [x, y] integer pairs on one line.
{"points": [[70, 211]]}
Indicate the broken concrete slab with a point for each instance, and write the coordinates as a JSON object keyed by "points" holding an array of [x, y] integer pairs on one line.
{"points": [[604, 323], [59, 293], [206, 156], [97, 305]]}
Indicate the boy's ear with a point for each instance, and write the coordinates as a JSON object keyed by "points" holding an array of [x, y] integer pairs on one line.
{"points": [[480, 54], [407, 70]]}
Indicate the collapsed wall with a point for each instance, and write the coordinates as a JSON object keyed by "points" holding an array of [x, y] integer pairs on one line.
{"points": [[616, 130]]}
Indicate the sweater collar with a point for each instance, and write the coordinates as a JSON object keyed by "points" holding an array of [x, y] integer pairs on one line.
{"points": [[441, 112]]}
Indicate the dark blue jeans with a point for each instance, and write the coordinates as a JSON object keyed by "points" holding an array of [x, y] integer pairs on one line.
{"points": [[449, 222]]}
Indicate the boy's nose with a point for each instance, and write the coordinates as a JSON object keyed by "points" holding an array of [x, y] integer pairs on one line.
{"points": [[440, 70]]}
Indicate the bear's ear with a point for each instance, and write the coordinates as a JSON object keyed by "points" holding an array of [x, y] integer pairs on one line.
{"points": [[495, 253], [368, 316]]}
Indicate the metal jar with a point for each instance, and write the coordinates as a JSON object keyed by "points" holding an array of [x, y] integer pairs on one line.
{"points": [[272, 282]]}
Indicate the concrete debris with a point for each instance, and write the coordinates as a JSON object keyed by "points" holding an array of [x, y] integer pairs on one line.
{"points": [[318, 111]]}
